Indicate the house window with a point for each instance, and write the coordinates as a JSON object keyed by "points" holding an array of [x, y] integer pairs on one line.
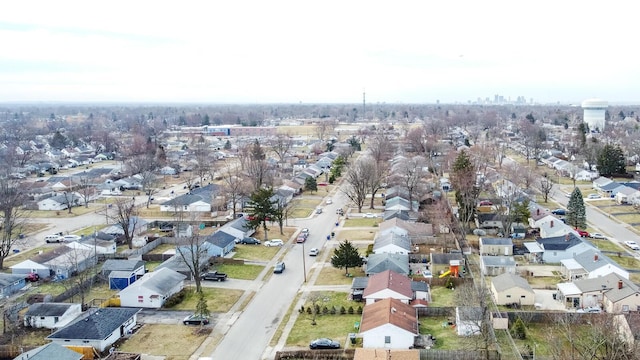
{"points": [[555, 253], [625, 308], [387, 340], [186, 207], [508, 296], [55, 319], [523, 296]]}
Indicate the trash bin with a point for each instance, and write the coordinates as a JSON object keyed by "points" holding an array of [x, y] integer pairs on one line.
{"points": [[333, 234], [21, 236], [15, 251], [352, 337]]}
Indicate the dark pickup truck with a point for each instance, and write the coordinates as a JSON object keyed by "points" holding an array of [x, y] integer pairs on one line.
{"points": [[214, 276]]}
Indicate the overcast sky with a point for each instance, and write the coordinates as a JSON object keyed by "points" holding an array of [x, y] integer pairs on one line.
{"points": [[268, 51]]}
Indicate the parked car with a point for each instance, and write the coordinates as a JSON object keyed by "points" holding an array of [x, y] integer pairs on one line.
{"points": [[324, 343], [329, 201], [301, 238], [591, 310], [214, 276], [195, 320], [632, 245], [53, 239], [32, 277], [71, 238], [594, 196], [319, 211], [314, 252], [597, 236], [583, 233], [305, 231], [279, 268], [559, 212], [369, 215], [274, 242], [250, 241]]}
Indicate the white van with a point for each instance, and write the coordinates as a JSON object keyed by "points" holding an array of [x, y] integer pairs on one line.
{"points": [[53, 238]]}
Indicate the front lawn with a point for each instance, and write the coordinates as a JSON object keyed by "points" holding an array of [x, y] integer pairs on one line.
{"points": [[244, 272], [361, 222], [185, 340], [218, 299], [333, 276], [25, 255], [255, 252], [336, 327], [355, 235], [605, 245]]}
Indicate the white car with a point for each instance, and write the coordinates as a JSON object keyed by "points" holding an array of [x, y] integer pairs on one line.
{"points": [[314, 252], [594, 196], [274, 242], [369, 215], [71, 238], [632, 245], [597, 236], [329, 201]]}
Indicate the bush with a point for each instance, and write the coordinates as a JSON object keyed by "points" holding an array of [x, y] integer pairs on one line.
{"points": [[333, 310], [309, 310], [359, 309], [519, 330], [317, 308], [350, 310], [301, 309], [175, 299], [325, 310], [343, 310]]}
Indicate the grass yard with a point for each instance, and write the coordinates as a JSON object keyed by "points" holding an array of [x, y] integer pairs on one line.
{"points": [[160, 249], [626, 262], [218, 300], [306, 202], [76, 211], [355, 235], [446, 336], [361, 222], [244, 272], [635, 277], [629, 218], [152, 265], [332, 276], [255, 252], [298, 130], [605, 245], [336, 327], [441, 296], [100, 292], [273, 232], [298, 212], [184, 341]]}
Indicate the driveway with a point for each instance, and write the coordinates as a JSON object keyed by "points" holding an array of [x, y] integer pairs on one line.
{"points": [[545, 299]]}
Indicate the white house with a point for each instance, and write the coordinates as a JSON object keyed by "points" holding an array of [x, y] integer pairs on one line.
{"points": [[99, 329], [59, 202], [510, 288], [389, 324], [29, 266], [151, 290], [51, 315]]}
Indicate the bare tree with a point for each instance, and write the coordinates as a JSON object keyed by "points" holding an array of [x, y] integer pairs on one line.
{"points": [[281, 146], [70, 198], [234, 186], [12, 216], [380, 148], [356, 183], [86, 188], [192, 248], [545, 185], [203, 165], [149, 182], [409, 173], [474, 299], [81, 261], [124, 214], [377, 173], [324, 127], [415, 138]]}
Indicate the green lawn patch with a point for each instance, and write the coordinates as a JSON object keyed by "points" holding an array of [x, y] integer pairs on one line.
{"points": [[333, 276], [626, 262], [218, 299], [441, 296], [184, 341], [446, 336], [244, 272], [361, 222], [162, 248], [255, 252], [605, 245], [300, 213], [336, 327], [152, 265], [629, 218], [355, 234], [25, 255]]}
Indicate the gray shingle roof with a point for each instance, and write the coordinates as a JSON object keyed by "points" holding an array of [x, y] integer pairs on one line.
{"points": [[48, 309], [497, 241], [121, 265], [377, 263], [50, 351], [508, 281], [97, 325]]}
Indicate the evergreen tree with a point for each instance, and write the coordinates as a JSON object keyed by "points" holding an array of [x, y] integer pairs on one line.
{"points": [[227, 145], [346, 256], [611, 160], [576, 215], [310, 184], [261, 209], [519, 330], [463, 179]]}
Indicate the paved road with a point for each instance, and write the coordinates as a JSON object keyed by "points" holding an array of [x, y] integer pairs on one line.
{"points": [[260, 319]]}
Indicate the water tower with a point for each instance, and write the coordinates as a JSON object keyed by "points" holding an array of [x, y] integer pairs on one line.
{"points": [[594, 112]]}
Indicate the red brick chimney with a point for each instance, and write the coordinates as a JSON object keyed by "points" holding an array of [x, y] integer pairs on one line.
{"points": [[620, 284], [595, 257], [538, 211], [551, 223]]}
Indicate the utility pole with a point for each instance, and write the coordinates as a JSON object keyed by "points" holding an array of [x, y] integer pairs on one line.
{"points": [[364, 106]]}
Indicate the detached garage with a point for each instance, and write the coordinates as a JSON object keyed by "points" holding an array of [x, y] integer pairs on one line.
{"points": [[119, 280]]}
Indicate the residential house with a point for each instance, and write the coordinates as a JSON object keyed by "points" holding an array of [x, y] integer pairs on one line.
{"points": [[388, 284], [399, 214], [419, 233], [182, 261], [489, 221], [509, 288], [60, 202], [50, 351], [611, 292], [100, 328], [94, 245], [137, 227], [610, 190], [64, 261], [562, 247], [496, 246], [51, 315], [153, 289], [601, 181], [586, 175], [398, 203], [392, 244], [551, 226], [238, 228], [627, 195], [388, 324], [596, 264], [468, 320], [122, 273], [220, 243], [377, 263], [496, 265], [26, 267], [11, 284]]}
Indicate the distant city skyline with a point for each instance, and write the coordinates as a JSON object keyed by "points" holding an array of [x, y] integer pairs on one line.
{"points": [[289, 51]]}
